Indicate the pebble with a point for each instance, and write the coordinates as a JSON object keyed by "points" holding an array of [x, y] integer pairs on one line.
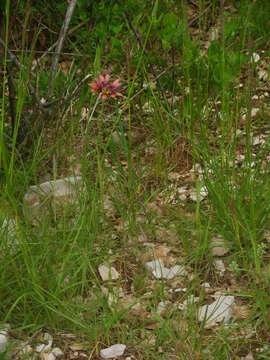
{"points": [[203, 194], [108, 273], [255, 57], [219, 310], [189, 301], [218, 247], [62, 190], [220, 267], [162, 307], [113, 351], [45, 347], [57, 352], [159, 270], [3, 342]]}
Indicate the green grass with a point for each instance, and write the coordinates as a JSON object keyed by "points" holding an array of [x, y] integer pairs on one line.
{"points": [[49, 280]]}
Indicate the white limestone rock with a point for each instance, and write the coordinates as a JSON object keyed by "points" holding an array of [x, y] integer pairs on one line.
{"points": [[61, 191], [107, 272], [220, 310], [113, 351]]}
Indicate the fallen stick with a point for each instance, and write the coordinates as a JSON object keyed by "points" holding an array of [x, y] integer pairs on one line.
{"points": [[60, 42]]}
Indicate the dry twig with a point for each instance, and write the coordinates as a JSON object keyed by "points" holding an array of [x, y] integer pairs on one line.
{"points": [[60, 42]]}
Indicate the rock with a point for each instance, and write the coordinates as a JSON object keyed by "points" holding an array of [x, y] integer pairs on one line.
{"points": [[220, 267], [176, 270], [148, 108], [255, 57], [133, 305], [45, 347], [116, 138], [155, 265], [203, 194], [108, 273], [206, 286], [46, 356], [3, 342], [4, 337], [218, 247], [113, 351], [254, 112], [162, 307], [61, 191], [8, 232], [57, 352], [159, 270], [26, 349], [263, 75], [248, 357], [189, 301], [220, 310]]}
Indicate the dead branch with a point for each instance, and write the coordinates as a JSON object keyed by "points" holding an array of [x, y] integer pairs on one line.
{"points": [[60, 42]]}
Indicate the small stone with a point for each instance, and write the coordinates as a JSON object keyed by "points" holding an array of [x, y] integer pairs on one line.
{"points": [[155, 265], [57, 352], [189, 301], [263, 75], [206, 286], [256, 140], [159, 270], [176, 270], [113, 351], [254, 111], [3, 342], [148, 108], [8, 232], [45, 347], [249, 357], [219, 265], [218, 247], [202, 195], [26, 349], [108, 273], [46, 356], [255, 97], [220, 310], [162, 307], [255, 57], [61, 190]]}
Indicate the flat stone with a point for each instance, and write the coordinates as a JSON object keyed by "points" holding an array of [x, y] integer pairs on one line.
{"points": [[220, 267], [191, 300], [46, 356], [3, 342], [155, 265], [202, 195], [8, 232], [220, 310], [263, 75], [218, 247], [162, 307], [159, 270], [61, 191], [255, 57], [176, 270], [57, 352], [45, 347], [108, 273], [113, 351]]}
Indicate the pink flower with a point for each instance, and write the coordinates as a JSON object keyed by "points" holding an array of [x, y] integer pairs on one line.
{"points": [[103, 86]]}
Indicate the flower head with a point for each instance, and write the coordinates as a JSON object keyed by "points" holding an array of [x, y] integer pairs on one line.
{"points": [[103, 86]]}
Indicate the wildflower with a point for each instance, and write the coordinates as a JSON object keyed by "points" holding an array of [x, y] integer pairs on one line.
{"points": [[103, 86]]}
